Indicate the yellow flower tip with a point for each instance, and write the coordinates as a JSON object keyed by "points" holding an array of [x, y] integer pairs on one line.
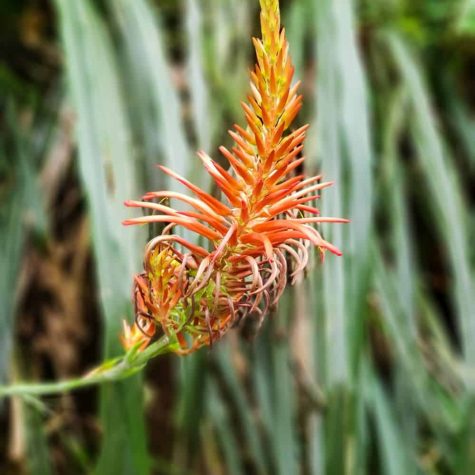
{"points": [[133, 336]]}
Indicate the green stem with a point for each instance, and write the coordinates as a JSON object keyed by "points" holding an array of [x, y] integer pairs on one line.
{"points": [[110, 370]]}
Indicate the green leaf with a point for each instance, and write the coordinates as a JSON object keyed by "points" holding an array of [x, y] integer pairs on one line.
{"points": [[447, 203], [106, 167]]}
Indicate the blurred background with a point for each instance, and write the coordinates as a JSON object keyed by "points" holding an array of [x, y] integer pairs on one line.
{"points": [[368, 366]]}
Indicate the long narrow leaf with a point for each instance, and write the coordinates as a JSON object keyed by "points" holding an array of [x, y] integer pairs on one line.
{"points": [[107, 173]]}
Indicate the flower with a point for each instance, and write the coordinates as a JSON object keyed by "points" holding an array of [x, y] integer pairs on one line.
{"points": [[263, 231]]}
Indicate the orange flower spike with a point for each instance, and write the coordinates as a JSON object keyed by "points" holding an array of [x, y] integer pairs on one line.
{"points": [[195, 294]]}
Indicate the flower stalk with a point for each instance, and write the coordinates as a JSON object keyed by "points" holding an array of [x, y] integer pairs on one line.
{"points": [[114, 369]]}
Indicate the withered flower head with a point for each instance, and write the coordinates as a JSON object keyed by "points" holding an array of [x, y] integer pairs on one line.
{"points": [[263, 231]]}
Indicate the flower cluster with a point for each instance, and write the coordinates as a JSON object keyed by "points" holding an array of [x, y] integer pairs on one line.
{"points": [[255, 239]]}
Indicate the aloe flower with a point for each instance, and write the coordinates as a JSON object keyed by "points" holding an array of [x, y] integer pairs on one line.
{"points": [[257, 236]]}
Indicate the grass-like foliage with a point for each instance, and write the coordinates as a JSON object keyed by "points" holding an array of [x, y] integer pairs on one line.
{"points": [[365, 365]]}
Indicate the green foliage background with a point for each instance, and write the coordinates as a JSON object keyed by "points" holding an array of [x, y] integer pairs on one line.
{"points": [[369, 365]]}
